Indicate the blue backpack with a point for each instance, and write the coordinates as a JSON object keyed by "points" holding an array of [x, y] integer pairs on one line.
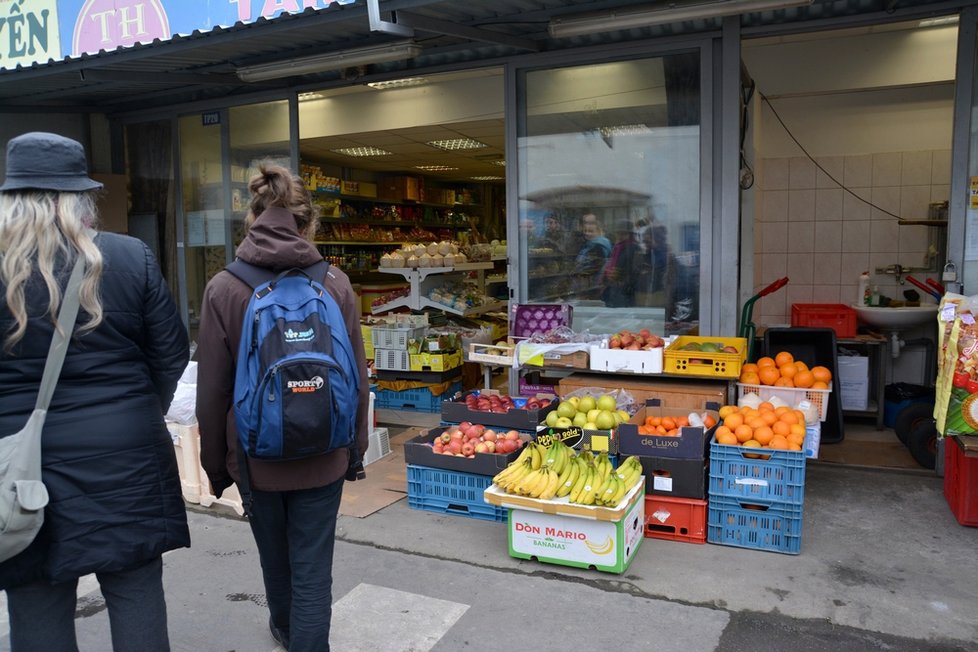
{"points": [[296, 387]]}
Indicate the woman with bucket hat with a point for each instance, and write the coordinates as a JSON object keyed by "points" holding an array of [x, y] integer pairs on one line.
{"points": [[108, 463]]}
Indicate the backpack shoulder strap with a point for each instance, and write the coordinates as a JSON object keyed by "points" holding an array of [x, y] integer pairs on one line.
{"points": [[253, 275]]}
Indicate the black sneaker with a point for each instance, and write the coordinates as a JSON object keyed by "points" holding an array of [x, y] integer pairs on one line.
{"points": [[277, 634]]}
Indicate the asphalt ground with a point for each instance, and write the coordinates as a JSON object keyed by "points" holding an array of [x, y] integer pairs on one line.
{"points": [[883, 566]]}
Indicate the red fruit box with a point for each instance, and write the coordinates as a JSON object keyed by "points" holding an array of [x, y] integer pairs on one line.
{"points": [[517, 418], [418, 451]]}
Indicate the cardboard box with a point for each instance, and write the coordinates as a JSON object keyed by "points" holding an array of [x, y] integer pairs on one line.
{"points": [[596, 441], [692, 442], [350, 187], [399, 188], [456, 411], [535, 384], [573, 360], [678, 478], [581, 536], [418, 451], [623, 361], [853, 382], [674, 393], [436, 361], [813, 440]]}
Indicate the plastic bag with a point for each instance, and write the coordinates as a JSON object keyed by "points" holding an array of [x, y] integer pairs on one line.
{"points": [[183, 408], [623, 400]]}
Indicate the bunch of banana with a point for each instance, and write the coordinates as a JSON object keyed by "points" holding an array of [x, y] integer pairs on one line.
{"points": [[604, 466], [539, 483], [629, 472], [573, 471], [611, 491], [512, 475], [557, 455], [583, 491]]}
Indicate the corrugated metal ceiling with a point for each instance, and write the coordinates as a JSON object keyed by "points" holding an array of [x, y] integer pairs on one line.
{"points": [[201, 67]]}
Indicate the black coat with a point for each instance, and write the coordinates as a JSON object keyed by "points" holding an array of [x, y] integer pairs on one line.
{"points": [[108, 460]]}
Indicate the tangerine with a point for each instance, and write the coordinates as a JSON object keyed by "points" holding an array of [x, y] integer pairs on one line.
{"points": [[728, 409], [822, 374], [765, 362], [765, 405], [804, 379], [756, 422], [750, 378], [726, 437], [743, 433], [784, 382], [749, 366], [733, 420], [820, 384], [778, 443], [798, 429], [769, 417], [801, 365], [795, 439], [763, 435], [769, 375], [788, 370], [781, 428], [789, 417], [783, 358], [709, 421]]}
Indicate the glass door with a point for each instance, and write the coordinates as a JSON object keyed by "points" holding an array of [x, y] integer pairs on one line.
{"points": [[962, 243], [610, 170], [219, 152]]}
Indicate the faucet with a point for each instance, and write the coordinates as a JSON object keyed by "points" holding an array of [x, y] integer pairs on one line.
{"points": [[897, 270]]}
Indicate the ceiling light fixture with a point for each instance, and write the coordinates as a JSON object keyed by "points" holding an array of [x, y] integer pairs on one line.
{"points": [[488, 178], [595, 23], [330, 61], [939, 22], [360, 152], [455, 144], [406, 82], [500, 162], [435, 168]]}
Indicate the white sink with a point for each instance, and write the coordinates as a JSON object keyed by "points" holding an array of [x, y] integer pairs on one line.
{"points": [[896, 318]]}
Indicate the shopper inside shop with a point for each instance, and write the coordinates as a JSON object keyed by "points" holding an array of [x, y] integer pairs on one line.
{"points": [[113, 496], [660, 269], [593, 253], [621, 269]]}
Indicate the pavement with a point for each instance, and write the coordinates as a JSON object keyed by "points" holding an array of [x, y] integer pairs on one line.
{"points": [[883, 566]]}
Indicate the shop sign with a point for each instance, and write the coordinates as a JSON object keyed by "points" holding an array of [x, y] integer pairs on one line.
{"points": [[28, 32], [34, 31]]}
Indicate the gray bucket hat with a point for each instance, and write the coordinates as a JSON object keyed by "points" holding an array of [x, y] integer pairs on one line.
{"points": [[43, 161]]}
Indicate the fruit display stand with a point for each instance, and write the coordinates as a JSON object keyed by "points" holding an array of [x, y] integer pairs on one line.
{"points": [[582, 536]]}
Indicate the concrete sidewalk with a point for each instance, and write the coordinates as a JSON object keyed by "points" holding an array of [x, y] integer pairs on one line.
{"points": [[883, 565]]}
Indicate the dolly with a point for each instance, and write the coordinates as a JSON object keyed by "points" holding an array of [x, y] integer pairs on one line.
{"points": [[747, 328]]}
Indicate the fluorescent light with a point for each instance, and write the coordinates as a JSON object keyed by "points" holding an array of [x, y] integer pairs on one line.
{"points": [[456, 144], [500, 162], [406, 82], [360, 152], [938, 22], [330, 61], [488, 178], [435, 168], [630, 18]]}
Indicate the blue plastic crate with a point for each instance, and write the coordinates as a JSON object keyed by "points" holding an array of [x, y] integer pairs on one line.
{"points": [[450, 492], [745, 524], [420, 399], [780, 478]]}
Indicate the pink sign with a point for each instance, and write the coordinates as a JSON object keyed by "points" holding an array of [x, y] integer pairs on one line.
{"points": [[108, 24]]}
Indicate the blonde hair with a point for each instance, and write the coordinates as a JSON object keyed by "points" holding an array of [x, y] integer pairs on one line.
{"points": [[37, 230], [275, 185]]}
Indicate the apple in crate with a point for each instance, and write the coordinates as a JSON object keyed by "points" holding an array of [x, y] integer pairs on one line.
{"points": [[466, 439]]}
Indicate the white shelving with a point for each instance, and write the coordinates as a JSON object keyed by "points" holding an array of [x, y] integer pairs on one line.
{"points": [[417, 300]]}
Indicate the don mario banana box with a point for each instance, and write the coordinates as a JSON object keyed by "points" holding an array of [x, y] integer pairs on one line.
{"points": [[583, 536], [692, 443]]}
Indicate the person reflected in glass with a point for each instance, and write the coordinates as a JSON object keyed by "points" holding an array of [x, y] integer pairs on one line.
{"points": [[594, 252], [621, 269], [661, 268]]}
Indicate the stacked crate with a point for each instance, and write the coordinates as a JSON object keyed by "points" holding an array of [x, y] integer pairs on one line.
{"points": [[756, 498], [392, 346], [675, 470]]}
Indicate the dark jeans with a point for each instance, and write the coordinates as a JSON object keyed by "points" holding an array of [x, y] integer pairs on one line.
{"points": [[42, 615], [295, 531]]}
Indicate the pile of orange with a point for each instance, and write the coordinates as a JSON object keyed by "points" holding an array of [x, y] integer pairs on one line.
{"points": [[670, 426], [779, 428], [784, 371]]}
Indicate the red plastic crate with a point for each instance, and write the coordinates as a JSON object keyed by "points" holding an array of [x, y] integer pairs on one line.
{"points": [[837, 316], [961, 482], [675, 519]]}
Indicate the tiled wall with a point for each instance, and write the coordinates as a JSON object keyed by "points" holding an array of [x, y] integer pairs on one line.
{"points": [[822, 237]]}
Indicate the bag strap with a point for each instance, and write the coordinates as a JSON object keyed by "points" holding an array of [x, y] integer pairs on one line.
{"points": [[59, 344], [256, 276]]}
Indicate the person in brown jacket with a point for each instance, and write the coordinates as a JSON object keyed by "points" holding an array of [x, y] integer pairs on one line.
{"points": [[294, 503]]}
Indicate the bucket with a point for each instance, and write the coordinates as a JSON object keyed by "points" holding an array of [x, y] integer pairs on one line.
{"points": [[899, 395]]}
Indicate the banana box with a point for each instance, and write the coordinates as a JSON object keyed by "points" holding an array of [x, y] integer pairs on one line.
{"points": [[583, 536]]}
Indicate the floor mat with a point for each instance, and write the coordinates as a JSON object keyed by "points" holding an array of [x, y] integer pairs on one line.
{"points": [[386, 481]]}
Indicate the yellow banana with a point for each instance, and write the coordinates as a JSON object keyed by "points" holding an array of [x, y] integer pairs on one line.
{"points": [[619, 493], [575, 472], [528, 482], [590, 488], [575, 491], [537, 455], [551, 488], [565, 473], [549, 478], [512, 468], [514, 480]]}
